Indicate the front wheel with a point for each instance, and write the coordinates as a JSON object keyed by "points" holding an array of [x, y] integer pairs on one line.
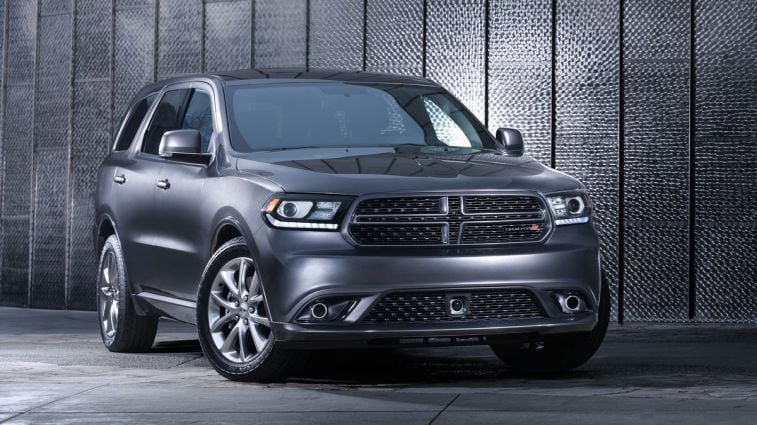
{"points": [[555, 356], [233, 322]]}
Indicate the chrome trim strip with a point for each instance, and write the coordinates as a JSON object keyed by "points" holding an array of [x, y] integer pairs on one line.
{"points": [[167, 299]]}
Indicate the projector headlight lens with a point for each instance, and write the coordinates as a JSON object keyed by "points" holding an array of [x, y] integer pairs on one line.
{"points": [[310, 212], [570, 208]]}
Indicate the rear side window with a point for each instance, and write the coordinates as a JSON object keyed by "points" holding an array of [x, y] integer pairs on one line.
{"points": [[180, 109], [132, 122]]}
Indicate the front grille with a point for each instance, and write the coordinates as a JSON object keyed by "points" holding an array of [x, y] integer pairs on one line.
{"points": [[449, 220], [503, 304]]}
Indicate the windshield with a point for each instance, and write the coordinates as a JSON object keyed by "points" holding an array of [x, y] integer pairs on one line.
{"points": [[275, 116]]}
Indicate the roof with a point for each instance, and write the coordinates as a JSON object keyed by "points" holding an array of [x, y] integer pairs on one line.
{"points": [[320, 74], [334, 75]]}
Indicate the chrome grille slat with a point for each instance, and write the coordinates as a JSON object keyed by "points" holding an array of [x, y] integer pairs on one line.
{"points": [[430, 307], [449, 220]]}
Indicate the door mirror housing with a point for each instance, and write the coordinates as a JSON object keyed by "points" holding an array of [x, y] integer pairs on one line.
{"points": [[179, 142], [511, 140]]}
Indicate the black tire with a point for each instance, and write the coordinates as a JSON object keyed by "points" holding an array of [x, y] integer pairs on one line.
{"points": [[132, 333], [558, 355], [270, 364]]}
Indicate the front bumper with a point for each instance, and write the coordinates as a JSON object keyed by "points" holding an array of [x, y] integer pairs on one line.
{"points": [[298, 267]]}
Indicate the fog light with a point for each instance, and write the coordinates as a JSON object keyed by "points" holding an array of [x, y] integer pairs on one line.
{"points": [[326, 310], [570, 303], [319, 311]]}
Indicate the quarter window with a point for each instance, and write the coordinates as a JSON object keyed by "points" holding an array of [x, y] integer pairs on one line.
{"points": [[132, 122]]}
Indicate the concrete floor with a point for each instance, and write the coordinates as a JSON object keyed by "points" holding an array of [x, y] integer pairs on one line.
{"points": [[54, 369]]}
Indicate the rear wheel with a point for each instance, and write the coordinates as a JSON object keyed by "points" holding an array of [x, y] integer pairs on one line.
{"points": [[233, 323], [121, 328], [559, 355]]}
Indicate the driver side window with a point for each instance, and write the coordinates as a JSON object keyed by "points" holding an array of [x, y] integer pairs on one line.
{"points": [[180, 109]]}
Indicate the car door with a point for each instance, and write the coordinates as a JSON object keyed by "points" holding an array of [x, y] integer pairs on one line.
{"points": [[181, 234], [143, 245], [132, 193]]}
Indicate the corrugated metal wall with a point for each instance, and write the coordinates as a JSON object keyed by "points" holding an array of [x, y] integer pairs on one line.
{"points": [[653, 104]]}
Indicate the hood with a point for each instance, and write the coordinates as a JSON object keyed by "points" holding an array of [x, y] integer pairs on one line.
{"points": [[362, 171]]}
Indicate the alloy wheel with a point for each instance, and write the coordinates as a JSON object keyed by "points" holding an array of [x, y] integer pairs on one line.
{"points": [[237, 314], [109, 296]]}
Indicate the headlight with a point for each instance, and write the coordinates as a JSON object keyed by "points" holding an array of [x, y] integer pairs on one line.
{"points": [[314, 212], [570, 208]]}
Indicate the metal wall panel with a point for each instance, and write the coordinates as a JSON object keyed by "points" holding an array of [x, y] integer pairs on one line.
{"points": [[280, 33], [336, 34], [455, 50], [520, 71], [134, 47], [394, 36], [587, 112], [179, 37], [726, 159], [656, 185], [91, 138], [228, 35], [3, 7], [51, 144], [18, 144], [48, 289]]}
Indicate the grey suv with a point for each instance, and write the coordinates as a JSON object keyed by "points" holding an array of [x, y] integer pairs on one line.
{"points": [[285, 210]]}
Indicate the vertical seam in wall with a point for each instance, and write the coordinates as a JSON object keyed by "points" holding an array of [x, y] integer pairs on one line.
{"points": [[365, 35], [156, 41], [112, 69], [487, 14], [252, 34], [424, 40], [69, 197], [202, 36], [621, 160], [553, 88], [692, 163], [33, 162], [307, 35]]}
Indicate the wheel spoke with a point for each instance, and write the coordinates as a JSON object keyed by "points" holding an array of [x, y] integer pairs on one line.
{"points": [[219, 300], [112, 277], [231, 338], [260, 320], [228, 279], [242, 342], [221, 321], [255, 287], [257, 338], [256, 300], [242, 281], [114, 315]]}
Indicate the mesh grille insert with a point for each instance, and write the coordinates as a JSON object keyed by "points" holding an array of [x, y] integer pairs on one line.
{"points": [[502, 304]]}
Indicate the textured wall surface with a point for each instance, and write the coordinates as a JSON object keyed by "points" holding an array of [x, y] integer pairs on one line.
{"points": [[653, 104]]}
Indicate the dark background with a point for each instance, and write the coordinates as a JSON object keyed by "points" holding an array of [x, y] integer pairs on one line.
{"points": [[652, 103]]}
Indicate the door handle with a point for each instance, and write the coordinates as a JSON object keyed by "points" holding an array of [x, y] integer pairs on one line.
{"points": [[163, 184], [121, 179]]}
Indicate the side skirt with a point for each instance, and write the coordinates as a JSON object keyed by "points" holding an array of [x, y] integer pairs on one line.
{"points": [[163, 305]]}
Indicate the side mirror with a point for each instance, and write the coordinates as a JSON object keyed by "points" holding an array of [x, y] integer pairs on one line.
{"points": [[512, 141], [179, 143]]}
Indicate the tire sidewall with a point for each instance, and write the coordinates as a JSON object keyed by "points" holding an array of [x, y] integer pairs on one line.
{"points": [[233, 249], [113, 245]]}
